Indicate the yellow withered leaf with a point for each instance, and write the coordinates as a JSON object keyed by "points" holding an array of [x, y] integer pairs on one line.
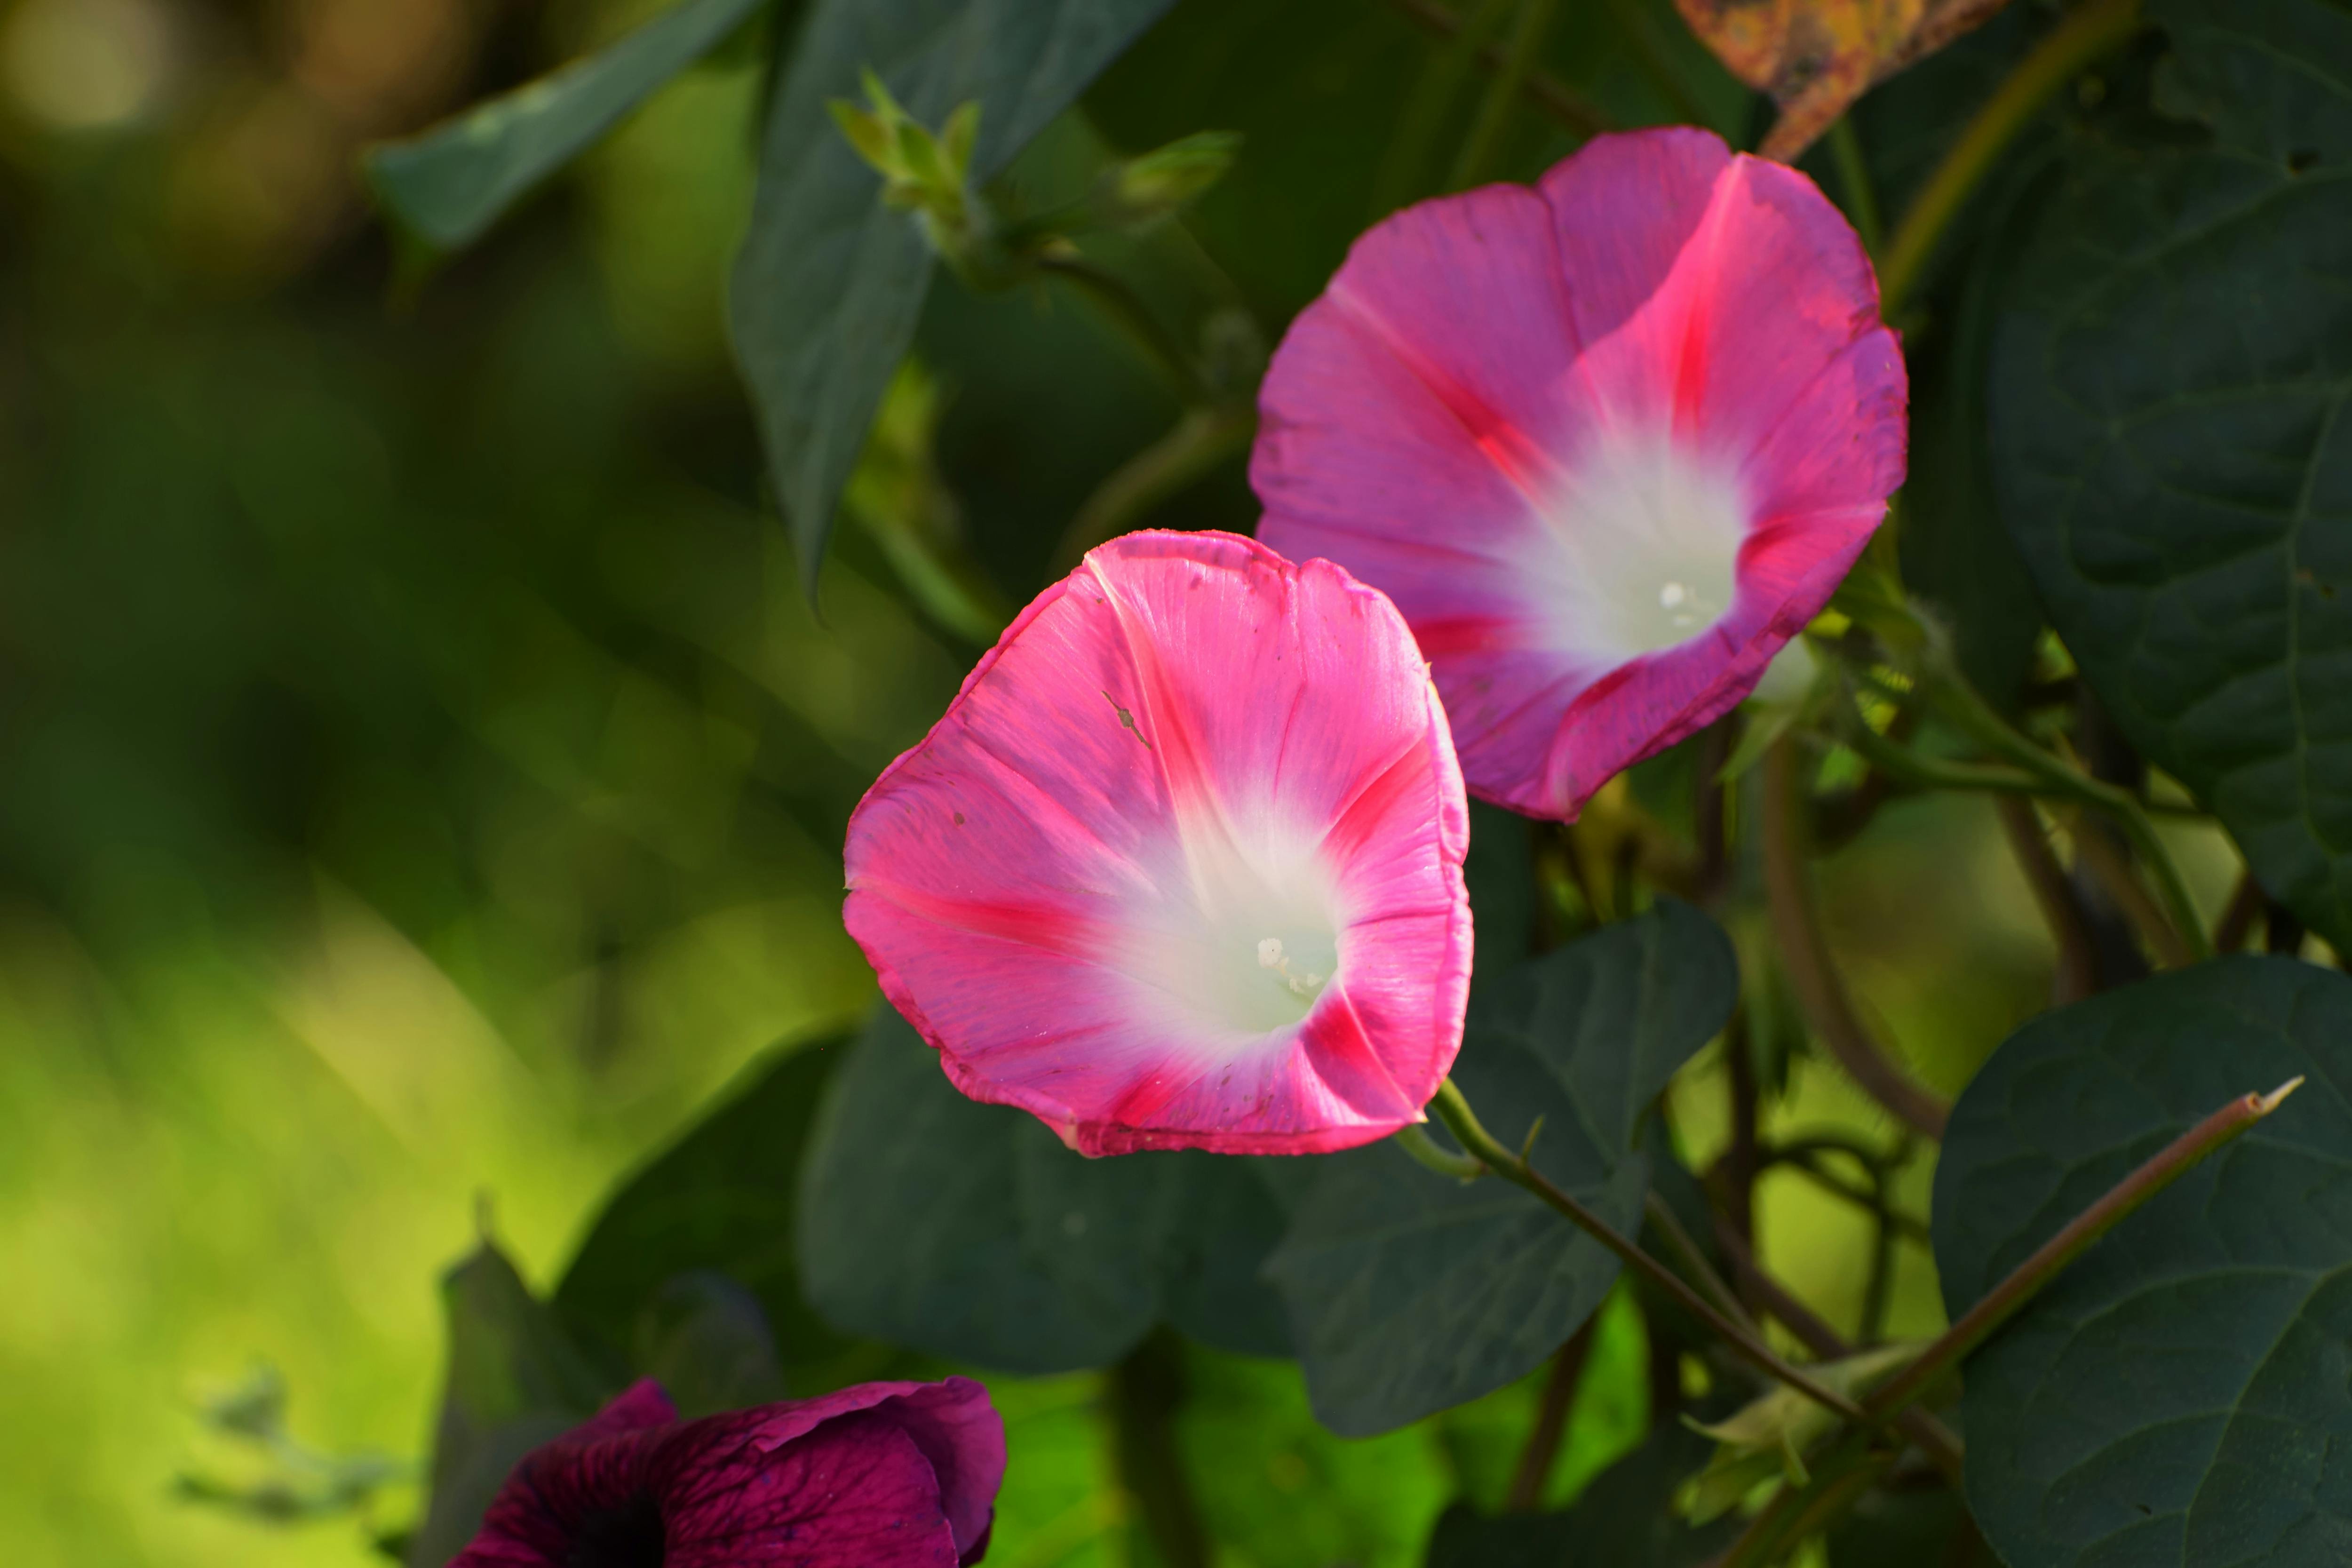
{"points": [[1815, 57]]}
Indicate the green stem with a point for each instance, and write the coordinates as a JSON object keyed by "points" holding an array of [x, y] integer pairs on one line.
{"points": [[1455, 1113], [1128, 308], [2088, 32], [1796, 1512], [1485, 136], [1805, 956], [1533, 1472], [1853, 174], [1201, 437], [1544, 89], [1975, 718], [2004, 1301], [1399, 180], [1144, 1391], [1416, 1142], [1687, 1252]]}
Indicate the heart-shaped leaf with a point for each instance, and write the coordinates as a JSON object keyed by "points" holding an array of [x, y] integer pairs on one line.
{"points": [[719, 1200], [968, 1231], [2182, 1394], [2167, 408], [452, 183], [1407, 1292], [829, 283]]}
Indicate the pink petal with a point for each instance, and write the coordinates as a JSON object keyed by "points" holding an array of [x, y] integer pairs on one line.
{"points": [[951, 1421], [857, 1493], [1607, 443], [1155, 875]]}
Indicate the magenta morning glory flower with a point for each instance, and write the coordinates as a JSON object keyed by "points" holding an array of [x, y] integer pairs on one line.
{"points": [[1608, 442], [1181, 865], [884, 1474]]}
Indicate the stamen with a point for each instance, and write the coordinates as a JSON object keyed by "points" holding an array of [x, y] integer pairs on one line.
{"points": [[1301, 984]]}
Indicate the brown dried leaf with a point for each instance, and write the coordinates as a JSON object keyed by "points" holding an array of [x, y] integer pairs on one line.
{"points": [[1816, 57]]}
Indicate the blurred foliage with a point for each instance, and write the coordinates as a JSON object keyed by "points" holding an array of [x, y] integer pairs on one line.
{"points": [[427, 773]]}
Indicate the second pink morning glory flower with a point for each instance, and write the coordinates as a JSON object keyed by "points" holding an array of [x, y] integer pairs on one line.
{"points": [[1609, 442], [1182, 866]]}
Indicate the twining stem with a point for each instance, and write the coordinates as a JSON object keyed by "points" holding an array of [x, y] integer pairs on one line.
{"points": [[2237, 921], [1693, 1259], [1804, 949], [1478, 149], [1935, 1439], [1561, 103], [1139, 321], [2077, 975], [1455, 1113], [1797, 1511], [1536, 1460], [1805, 1162], [1960, 702], [2003, 1301], [2097, 852], [2088, 32]]}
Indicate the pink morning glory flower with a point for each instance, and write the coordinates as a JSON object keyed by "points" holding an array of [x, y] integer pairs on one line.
{"points": [[884, 1474], [1181, 865], [1609, 442]]}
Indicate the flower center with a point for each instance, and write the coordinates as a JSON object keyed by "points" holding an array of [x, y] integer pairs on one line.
{"points": [[1646, 533], [1244, 936], [627, 1536]]}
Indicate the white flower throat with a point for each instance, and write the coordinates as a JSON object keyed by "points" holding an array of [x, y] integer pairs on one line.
{"points": [[1641, 547], [1241, 934]]}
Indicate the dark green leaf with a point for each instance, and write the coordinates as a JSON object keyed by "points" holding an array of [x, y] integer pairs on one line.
{"points": [[968, 1231], [2180, 1395], [451, 183], [705, 1339], [1907, 1529], [1955, 553], [830, 283], [719, 1199], [2168, 403], [515, 1381], [1501, 875], [1623, 1520], [1409, 1292]]}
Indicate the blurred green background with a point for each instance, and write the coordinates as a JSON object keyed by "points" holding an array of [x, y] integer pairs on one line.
{"points": [[425, 779]]}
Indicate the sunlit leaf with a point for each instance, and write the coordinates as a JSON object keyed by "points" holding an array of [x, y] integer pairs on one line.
{"points": [[515, 1381], [2179, 1395], [452, 183]]}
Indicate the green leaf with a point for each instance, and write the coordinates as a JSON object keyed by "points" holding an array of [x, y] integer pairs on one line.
{"points": [[720, 1199], [451, 183], [1409, 1292], [2178, 1395], [705, 1339], [2168, 426], [1907, 1529], [829, 283], [970, 1232], [1624, 1520], [515, 1381], [1500, 873]]}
